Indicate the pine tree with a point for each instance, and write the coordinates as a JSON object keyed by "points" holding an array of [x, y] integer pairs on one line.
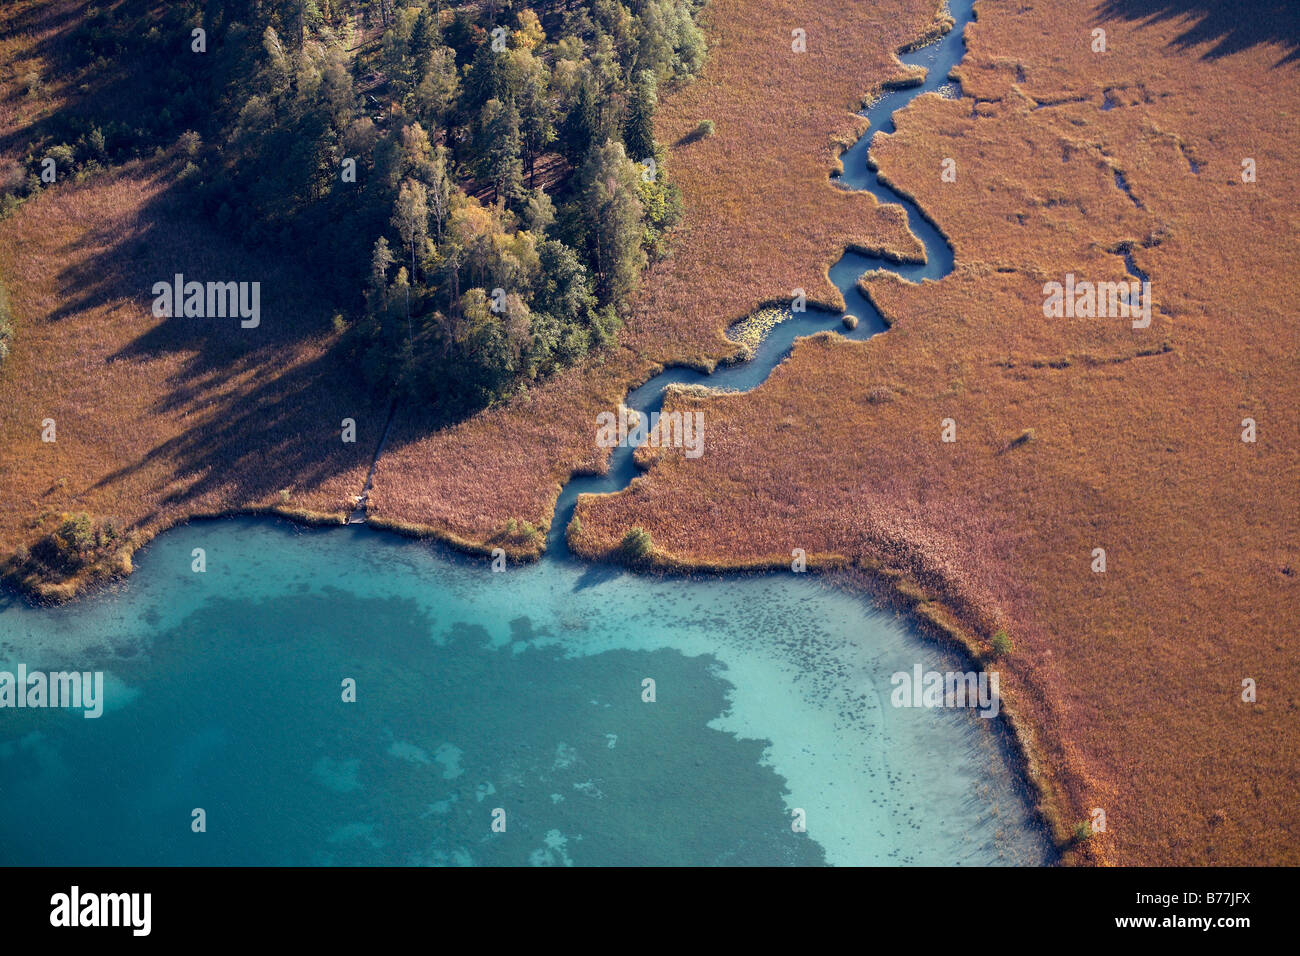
{"points": [[485, 80], [582, 125], [425, 38], [396, 57], [536, 117], [639, 132], [499, 151], [614, 219]]}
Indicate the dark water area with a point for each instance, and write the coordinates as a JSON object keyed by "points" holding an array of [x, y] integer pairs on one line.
{"points": [[476, 691], [552, 714]]}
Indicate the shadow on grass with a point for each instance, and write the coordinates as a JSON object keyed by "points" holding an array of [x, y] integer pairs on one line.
{"points": [[266, 403], [694, 136], [126, 68], [1230, 27]]}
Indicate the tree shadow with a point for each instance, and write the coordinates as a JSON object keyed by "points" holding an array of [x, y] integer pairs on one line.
{"points": [[284, 433], [597, 574], [126, 68], [697, 134], [267, 402], [1229, 27]]}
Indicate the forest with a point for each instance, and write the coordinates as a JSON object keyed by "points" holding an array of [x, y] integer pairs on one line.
{"points": [[478, 187]]}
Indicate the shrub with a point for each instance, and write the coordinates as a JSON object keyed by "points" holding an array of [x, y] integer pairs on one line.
{"points": [[637, 545], [77, 542], [1082, 832], [76, 535], [518, 530], [64, 157], [1001, 643], [704, 130], [105, 534]]}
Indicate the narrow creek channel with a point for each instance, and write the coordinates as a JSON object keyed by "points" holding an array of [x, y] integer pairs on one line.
{"points": [[601, 717], [938, 59]]}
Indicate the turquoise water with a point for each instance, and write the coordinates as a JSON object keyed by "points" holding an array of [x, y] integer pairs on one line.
{"points": [[519, 690], [518, 693]]}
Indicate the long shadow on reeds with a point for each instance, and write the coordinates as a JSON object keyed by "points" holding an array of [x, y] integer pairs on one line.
{"points": [[126, 68], [1230, 27], [267, 402]]}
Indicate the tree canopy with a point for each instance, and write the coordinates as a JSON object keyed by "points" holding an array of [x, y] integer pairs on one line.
{"points": [[469, 182]]}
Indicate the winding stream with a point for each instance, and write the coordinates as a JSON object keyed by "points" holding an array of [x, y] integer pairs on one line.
{"points": [[521, 692], [938, 59]]}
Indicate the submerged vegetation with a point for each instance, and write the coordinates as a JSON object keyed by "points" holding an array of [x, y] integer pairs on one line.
{"points": [[997, 537]]}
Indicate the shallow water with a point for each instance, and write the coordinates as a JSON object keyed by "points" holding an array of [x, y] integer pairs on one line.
{"points": [[476, 690], [519, 691]]}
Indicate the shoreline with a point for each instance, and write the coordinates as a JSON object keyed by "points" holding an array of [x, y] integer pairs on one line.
{"points": [[940, 618], [847, 648], [933, 618]]}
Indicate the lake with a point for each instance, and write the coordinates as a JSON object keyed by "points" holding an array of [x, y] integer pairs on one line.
{"points": [[475, 691]]}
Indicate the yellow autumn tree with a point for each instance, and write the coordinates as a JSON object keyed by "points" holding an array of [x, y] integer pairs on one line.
{"points": [[530, 34]]}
